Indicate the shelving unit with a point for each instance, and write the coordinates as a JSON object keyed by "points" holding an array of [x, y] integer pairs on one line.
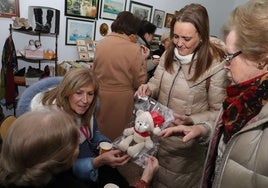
{"points": [[39, 36]]}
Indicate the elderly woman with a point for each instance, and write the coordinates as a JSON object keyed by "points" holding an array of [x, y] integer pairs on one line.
{"points": [[238, 151]]}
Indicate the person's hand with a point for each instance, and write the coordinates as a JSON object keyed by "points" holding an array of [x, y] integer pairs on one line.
{"points": [[155, 61], [188, 132], [145, 51], [113, 158], [182, 120], [150, 169], [143, 90]]}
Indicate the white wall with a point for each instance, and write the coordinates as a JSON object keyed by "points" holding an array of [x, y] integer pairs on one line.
{"points": [[218, 11]]}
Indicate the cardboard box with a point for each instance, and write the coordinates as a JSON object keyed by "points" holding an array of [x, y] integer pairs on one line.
{"points": [[34, 54]]}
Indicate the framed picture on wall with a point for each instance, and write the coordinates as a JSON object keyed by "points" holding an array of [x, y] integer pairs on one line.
{"points": [[168, 19], [9, 8], [142, 11], [82, 8], [79, 29], [158, 18], [111, 8]]}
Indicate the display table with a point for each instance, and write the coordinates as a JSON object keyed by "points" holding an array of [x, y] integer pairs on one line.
{"points": [[65, 66]]}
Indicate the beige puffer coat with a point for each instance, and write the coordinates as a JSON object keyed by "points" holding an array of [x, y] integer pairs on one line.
{"points": [[244, 162], [181, 164]]}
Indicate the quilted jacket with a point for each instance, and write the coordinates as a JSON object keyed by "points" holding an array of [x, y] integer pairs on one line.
{"points": [[181, 164], [244, 161]]}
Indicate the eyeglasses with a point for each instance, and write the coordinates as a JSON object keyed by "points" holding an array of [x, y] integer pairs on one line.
{"points": [[228, 58]]}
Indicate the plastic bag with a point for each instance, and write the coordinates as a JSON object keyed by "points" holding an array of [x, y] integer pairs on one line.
{"points": [[146, 103], [140, 140]]}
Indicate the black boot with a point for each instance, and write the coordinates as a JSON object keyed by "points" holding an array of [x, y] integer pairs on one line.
{"points": [[38, 19], [47, 27]]}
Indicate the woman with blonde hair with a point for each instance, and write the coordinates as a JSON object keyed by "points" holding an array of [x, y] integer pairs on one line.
{"points": [[76, 95]]}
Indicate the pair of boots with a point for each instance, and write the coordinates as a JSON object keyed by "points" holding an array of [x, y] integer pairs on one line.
{"points": [[38, 15], [37, 73], [21, 24]]}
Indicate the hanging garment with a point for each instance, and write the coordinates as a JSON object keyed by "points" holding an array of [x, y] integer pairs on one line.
{"points": [[9, 89]]}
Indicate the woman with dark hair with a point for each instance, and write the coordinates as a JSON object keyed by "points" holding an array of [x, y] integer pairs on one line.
{"points": [[120, 67], [238, 150], [190, 79], [145, 38]]}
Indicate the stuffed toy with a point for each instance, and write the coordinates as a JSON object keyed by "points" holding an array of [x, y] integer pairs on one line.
{"points": [[139, 136]]}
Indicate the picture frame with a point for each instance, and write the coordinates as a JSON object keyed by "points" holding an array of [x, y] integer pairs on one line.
{"points": [[82, 8], [158, 18], [155, 42], [9, 8], [80, 42], [83, 56], [142, 11], [82, 49], [86, 30], [168, 19], [111, 8]]}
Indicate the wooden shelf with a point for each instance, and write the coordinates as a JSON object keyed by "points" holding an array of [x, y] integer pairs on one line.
{"points": [[33, 60], [31, 32]]}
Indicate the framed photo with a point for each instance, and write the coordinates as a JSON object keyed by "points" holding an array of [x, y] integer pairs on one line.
{"points": [[168, 19], [82, 49], [91, 55], [83, 56], [79, 29], [9, 8], [82, 8], [90, 45], [142, 11], [158, 18], [80, 42], [111, 8]]}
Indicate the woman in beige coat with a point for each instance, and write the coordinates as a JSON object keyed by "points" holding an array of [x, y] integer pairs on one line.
{"points": [[190, 80], [237, 154], [120, 66]]}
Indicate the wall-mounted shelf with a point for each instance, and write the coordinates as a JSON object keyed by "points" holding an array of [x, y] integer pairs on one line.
{"points": [[39, 35]]}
